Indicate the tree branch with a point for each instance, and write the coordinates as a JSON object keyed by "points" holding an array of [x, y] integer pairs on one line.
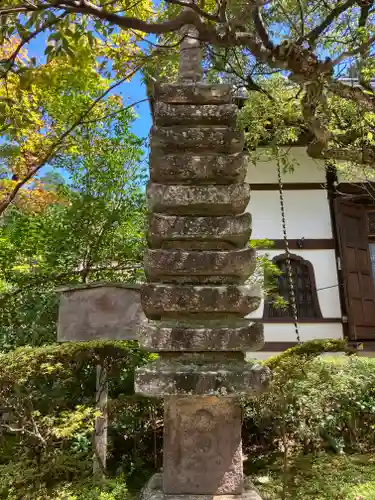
{"points": [[12, 59], [23, 430], [302, 18], [195, 8], [187, 16], [314, 34], [363, 47], [360, 156], [353, 93], [191, 15], [261, 29], [303, 63], [364, 51], [28, 7], [222, 11], [110, 115]]}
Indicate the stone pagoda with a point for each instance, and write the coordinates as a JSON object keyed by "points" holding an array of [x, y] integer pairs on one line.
{"points": [[196, 298]]}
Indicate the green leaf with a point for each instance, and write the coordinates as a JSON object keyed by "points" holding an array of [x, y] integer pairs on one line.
{"points": [[51, 17], [55, 36], [91, 38]]}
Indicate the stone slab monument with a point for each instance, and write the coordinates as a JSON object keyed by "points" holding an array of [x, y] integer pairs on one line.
{"points": [[100, 311], [197, 297]]}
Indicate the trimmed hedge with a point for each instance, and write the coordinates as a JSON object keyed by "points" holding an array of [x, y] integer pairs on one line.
{"points": [[314, 404]]}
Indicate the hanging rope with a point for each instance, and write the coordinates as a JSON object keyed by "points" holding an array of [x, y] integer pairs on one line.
{"points": [[292, 295]]}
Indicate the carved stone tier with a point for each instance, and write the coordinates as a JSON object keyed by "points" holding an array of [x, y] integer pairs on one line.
{"points": [[200, 93], [159, 300], [208, 114], [199, 267], [217, 139], [210, 233], [196, 375], [202, 168], [209, 335], [218, 200]]}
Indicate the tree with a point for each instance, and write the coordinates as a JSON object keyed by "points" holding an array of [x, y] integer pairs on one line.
{"points": [[273, 119], [313, 42], [43, 110], [93, 231]]}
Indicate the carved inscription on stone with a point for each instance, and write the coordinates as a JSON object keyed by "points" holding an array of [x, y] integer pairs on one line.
{"points": [[202, 446], [103, 312]]}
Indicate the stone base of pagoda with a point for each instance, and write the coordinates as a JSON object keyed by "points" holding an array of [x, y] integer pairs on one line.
{"points": [[154, 491]]}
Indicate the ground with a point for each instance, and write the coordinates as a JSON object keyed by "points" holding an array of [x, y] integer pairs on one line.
{"points": [[320, 477]]}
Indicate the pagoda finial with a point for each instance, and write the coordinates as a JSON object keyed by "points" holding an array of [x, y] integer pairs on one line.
{"points": [[190, 55]]}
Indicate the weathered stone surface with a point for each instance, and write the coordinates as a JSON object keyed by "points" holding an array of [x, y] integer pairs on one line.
{"points": [[208, 114], [196, 376], [197, 266], [190, 67], [99, 311], [199, 93], [196, 460], [160, 300], [196, 193], [223, 335], [211, 233], [154, 491], [185, 168], [217, 139], [198, 200]]}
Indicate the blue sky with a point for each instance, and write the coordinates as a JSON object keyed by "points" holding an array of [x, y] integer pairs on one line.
{"points": [[132, 91]]}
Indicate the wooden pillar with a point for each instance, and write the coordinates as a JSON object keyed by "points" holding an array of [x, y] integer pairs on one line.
{"points": [[101, 423]]}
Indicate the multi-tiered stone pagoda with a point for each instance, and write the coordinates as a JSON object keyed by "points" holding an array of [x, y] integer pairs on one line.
{"points": [[196, 298]]}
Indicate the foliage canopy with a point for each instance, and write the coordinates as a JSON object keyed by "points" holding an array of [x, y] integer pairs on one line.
{"points": [[314, 43]]}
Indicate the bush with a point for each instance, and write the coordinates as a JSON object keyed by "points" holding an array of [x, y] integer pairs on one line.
{"points": [[314, 404], [320, 477], [47, 401], [47, 398], [20, 480], [111, 489]]}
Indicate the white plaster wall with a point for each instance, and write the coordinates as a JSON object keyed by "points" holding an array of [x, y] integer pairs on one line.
{"points": [[324, 264], [307, 214], [284, 332], [306, 169], [260, 355]]}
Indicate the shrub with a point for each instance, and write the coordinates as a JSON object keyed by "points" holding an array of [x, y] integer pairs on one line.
{"points": [[111, 489], [320, 477], [21, 480], [315, 403], [47, 401], [48, 405]]}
